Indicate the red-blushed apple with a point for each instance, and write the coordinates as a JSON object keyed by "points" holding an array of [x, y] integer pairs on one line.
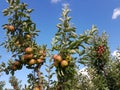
{"points": [[57, 58], [11, 28]]}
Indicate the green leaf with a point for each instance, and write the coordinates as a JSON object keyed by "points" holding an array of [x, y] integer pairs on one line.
{"points": [[8, 1], [17, 2], [29, 10], [11, 2], [47, 70], [5, 12], [80, 52]]}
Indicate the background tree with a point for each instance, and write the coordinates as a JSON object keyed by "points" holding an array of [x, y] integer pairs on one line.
{"points": [[15, 83], [101, 66], [2, 84]]}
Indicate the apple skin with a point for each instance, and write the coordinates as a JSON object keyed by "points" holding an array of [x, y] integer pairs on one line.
{"points": [[64, 63], [36, 88], [28, 50], [32, 61], [28, 56], [11, 28], [57, 58], [28, 36], [40, 61]]}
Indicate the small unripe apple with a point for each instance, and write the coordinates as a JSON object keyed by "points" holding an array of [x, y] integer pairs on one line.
{"points": [[28, 36], [17, 43], [68, 57]]}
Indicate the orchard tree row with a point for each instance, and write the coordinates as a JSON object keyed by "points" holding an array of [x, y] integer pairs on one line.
{"points": [[68, 51]]}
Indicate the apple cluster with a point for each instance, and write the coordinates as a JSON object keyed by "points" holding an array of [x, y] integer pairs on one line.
{"points": [[16, 65], [28, 57], [100, 49], [58, 60]]}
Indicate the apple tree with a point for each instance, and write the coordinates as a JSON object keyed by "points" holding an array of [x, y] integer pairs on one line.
{"points": [[21, 32], [67, 46]]}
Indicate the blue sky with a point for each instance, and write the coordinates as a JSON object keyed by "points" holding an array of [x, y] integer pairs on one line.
{"points": [[105, 14]]}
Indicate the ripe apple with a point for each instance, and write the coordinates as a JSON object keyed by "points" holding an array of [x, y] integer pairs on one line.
{"points": [[57, 57], [64, 63], [36, 88], [42, 57], [11, 28], [28, 56], [32, 61], [42, 52], [17, 63], [54, 56], [28, 50], [40, 61]]}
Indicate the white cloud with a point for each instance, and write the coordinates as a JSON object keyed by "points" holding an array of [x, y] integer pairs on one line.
{"points": [[65, 4], [55, 1], [114, 53], [116, 13], [84, 72]]}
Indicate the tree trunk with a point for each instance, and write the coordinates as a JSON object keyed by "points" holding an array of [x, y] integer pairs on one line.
{"points": [[39, 78], [15, 87]]}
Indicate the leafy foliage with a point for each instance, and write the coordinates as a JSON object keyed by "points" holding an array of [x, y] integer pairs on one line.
{"points": [[62, 43], [89, 48], [15, 83]]}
